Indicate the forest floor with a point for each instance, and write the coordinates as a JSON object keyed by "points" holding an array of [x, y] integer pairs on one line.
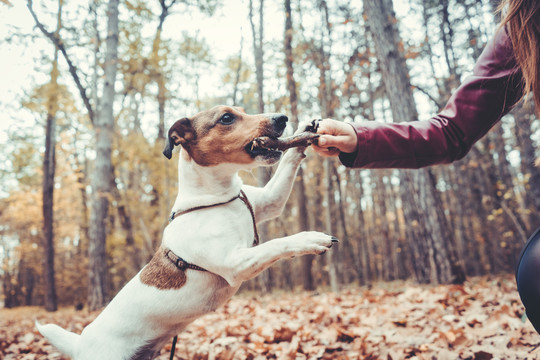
{"points": [[481, 320]]}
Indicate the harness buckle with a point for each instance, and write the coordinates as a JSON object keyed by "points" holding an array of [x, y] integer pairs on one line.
{"points": [[180, 263]]}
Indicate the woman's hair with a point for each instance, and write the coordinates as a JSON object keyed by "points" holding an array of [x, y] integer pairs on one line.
{"points": [[522, 20]]}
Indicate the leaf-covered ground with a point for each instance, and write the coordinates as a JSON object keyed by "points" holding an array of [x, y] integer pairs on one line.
{"points": [[481, 320]]}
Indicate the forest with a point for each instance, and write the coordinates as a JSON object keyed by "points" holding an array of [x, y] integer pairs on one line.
{"points": [[86, 191]]}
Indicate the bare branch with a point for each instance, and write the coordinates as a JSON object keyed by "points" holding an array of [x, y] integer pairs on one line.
{"points": [[72, 69], [422, 90]]}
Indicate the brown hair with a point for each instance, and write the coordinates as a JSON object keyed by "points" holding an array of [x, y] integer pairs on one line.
{"points": [[522, 20]]}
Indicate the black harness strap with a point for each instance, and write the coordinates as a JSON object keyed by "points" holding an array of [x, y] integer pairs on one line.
{"points": [[182, 264], [175, 214], [244, 198]]}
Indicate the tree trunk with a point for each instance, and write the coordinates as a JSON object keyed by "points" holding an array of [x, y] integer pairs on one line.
{"points": [[263, 174], [523, 114], [326, 101], [159, 76], [237, 74], [347, 261], [299, 188], [436, 255], [382, 25], [505, 186], [258, 52], [101, 177], [125, 221], [447, 34], [49, 166], [49, 163]]}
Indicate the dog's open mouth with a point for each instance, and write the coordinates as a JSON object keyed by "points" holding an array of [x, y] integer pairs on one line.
{"points": [[271, 146]]}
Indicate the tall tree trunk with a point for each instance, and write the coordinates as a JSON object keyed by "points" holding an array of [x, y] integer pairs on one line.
{"points": [[84, 223], [258, 52], [101, 177], [447, 34], [326, 101], [263, 174], [347, 261], [299, 188], [238, 73], [383, 28], [49, 165], [505, 185], [524, 116], [443, 91], [127, 225], [160, 79], [437, 253]]}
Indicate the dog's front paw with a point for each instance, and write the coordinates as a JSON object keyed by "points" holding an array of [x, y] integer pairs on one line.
{"points": [[304, 136], [312, 242], [307, 126]]}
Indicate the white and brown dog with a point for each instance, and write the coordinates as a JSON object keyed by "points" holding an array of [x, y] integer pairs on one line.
{"points": [[207, 249]]}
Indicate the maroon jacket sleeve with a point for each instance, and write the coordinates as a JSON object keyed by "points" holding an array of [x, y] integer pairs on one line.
{"points": [[479, 103]]}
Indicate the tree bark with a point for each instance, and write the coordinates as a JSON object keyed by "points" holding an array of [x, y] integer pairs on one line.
{"points": [[326, 101], [101, 177], [49, 164], [433, 244], [49, 167], [523, 115], [159, 76], [263, 174], [299, 187], [258, 52], [447, 34]]}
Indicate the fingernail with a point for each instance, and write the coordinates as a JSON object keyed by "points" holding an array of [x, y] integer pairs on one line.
{"points": [[322, 141], [335, 239]]}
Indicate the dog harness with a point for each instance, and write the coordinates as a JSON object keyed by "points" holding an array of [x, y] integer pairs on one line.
{"points": [[181, 263]]}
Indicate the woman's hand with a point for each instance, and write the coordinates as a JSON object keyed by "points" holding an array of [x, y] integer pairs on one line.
{"points": [[336, 136]]}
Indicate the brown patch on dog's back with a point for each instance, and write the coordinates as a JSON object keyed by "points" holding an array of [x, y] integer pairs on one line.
{"points": [[162, 273]]}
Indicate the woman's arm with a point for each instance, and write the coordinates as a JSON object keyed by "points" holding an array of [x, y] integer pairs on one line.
{"points": [[473, 109]]}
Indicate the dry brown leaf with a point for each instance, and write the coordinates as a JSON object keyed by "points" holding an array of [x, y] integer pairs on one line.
{"points": [[388, 321]]}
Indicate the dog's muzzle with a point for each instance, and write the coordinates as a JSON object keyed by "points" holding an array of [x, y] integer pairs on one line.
{"points": [[255, 148]]}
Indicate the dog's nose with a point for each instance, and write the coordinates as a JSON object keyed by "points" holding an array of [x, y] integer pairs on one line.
{"points": [[279, 121]]}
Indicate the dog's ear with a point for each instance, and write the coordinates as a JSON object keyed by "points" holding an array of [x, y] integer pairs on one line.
{"points": [[179, 134]]}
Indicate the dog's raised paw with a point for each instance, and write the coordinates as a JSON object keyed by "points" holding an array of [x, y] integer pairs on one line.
{"points": [[312, 242], [312, 126]]}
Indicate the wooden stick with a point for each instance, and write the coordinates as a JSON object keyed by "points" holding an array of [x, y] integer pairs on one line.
{"points": [[303, 139]]}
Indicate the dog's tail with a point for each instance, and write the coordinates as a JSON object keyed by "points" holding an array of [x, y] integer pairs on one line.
{"points": [[64, 340]]}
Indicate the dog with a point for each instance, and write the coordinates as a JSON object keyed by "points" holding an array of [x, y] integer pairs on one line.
{"points": [[207, 249]]}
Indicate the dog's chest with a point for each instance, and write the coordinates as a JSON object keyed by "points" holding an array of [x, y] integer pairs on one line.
{"points": [[199, 237], [211, 231]]}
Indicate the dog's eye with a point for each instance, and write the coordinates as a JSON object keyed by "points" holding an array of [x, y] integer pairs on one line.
{"points": [[227, 119]]}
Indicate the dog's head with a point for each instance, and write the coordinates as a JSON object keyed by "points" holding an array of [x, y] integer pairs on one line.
{"points": [[225, 134]]}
